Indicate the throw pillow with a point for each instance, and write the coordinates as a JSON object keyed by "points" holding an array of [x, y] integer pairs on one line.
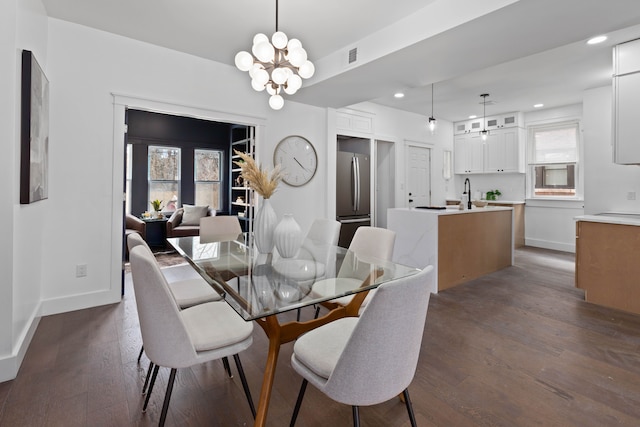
{"points": [[192, 214]]}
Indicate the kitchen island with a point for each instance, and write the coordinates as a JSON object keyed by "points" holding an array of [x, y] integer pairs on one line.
{"points": [[607, 268], [461, 245]]}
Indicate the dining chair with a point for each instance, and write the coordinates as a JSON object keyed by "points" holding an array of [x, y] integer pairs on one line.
{"points": [[219, 228], [323, 231], [186, 292], [178, 339], [366, 360], [367, 241]]}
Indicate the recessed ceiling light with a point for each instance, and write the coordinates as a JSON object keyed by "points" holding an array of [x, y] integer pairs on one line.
{"points": [[538, 105], [399, 95], [473, 116], [596, 40]]}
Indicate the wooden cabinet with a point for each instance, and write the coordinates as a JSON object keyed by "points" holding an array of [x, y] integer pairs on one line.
{"points": [[503, 151], [468, 154], [607, 267], [626, 102], [518, 221]]}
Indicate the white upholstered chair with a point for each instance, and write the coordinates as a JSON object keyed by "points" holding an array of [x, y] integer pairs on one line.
{"points": [[366, 360], [372, 242], [186, 291], [180, 339], [219, 228]]}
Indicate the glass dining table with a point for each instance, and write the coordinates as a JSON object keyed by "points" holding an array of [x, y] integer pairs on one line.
{"points": [[259, 287]]}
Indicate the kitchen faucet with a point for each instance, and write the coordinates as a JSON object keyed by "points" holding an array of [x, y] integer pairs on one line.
{"points": [[467, 192]]}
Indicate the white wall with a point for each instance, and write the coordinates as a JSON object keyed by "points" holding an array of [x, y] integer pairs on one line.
{"points": [[23, 26], [606, 183]]}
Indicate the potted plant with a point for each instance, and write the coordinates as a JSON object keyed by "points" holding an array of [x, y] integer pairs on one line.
{"points": [[157, 207], [493, 194]]}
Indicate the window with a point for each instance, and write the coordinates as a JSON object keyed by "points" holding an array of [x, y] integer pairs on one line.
{"points": [[206, 178], [553, 160], [164, 176]]}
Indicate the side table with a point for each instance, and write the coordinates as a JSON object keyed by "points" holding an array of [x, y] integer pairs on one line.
{"points": [[156, 232]]}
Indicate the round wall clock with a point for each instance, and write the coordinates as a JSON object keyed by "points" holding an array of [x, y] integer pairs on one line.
{"points": [[298, 160]]}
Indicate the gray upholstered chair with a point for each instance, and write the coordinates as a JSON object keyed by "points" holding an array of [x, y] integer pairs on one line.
{"points": [[366, 360], [180, 339], [187, 292], [219, 228], [367, 242], [325, 232]]}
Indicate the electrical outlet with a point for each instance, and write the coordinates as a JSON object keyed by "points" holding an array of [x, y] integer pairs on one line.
{"points": [[81, 270], [631, 195]]}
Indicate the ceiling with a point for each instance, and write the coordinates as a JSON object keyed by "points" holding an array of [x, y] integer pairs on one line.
{"points": [[521, 52]]}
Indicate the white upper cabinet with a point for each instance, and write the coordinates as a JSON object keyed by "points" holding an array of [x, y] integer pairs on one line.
{"points": [[503, 151], [626, 102], [468, 154], [491, 122]]}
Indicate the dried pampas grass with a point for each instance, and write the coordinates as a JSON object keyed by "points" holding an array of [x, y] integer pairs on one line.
{"points": [[256, 178]]}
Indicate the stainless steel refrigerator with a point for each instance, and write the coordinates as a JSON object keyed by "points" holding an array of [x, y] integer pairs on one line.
{"points": [[353, 193]]}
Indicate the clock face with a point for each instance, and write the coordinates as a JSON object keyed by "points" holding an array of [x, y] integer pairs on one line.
{"points": [[298, 160]]}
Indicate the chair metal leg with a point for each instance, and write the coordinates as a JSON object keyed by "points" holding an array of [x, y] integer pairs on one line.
{"points": [[356, 416], [153, 381], [167, 397], [146, 380], [225, 362], [245, 385], [298, 316], [303, 388], [407, 402], [317, 311], [141, 351]]}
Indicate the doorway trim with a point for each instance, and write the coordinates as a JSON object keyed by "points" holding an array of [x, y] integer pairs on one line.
{"points": [[121, 102]]}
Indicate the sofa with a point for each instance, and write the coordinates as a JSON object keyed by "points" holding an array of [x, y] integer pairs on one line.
{"points": [[185, 221], [133, 224]]}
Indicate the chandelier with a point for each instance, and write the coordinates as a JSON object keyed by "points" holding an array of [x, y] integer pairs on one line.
{"points": [[484, 133], [278, 65], [432, 120]]}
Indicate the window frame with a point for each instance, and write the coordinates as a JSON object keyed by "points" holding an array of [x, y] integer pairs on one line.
{"points": [[220, 181], [178, 181], [532, 164]]}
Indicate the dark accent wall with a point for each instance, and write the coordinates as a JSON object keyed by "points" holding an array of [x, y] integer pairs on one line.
{"points": [[147, 128]]}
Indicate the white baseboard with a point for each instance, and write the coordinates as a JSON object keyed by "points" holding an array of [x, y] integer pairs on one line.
{"points": [[10, 364], [545, 244], [79, 302]]}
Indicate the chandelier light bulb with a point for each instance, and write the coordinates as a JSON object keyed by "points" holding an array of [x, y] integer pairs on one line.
{"points": [[279, 40], [306, 70], [294, 44], [261, 77], [297, 56], [264, 51], [276, 102], [293, 84], [279, 76], [432, 124], [257, 86], [271, 90], [484, 134], [244, 61], [259, 38]]}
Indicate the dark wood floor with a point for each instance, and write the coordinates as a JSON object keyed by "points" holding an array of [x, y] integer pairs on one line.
{"points": [[518, 347]]}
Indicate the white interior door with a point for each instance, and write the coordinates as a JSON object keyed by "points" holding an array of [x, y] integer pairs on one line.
{"points": [[418, 162]]}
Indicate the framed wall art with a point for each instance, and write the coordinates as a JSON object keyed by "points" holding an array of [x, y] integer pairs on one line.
{"points": [[34, 131]]}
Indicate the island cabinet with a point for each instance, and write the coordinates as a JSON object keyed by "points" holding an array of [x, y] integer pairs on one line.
{"points": [[607, 266], [461, 245]]}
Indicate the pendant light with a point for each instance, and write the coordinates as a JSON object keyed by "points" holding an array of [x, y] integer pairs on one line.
{"points": [[432, 120], [484, 133], [277, 66]]}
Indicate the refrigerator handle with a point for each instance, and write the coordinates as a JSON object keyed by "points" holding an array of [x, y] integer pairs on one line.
{"points": [[354, 180], [357, 205]]}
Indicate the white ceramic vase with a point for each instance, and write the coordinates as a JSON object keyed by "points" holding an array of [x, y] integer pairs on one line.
{"points": [[263, 226], [287, 237]]}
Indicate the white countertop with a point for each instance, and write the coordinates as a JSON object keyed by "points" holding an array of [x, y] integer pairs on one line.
{"points": [[506, 202], [454, 210], [622, 218]]}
